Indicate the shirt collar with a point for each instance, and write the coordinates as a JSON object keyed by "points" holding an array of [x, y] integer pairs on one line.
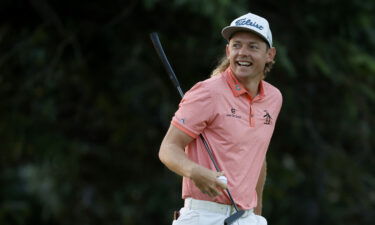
{"points": [[237, 88]]}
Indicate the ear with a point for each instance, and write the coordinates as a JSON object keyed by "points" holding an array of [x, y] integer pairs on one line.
{"points": [[271, 53], [227, 51]]}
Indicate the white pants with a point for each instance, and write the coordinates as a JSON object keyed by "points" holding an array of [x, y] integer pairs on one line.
{"points": [[198, 212]]}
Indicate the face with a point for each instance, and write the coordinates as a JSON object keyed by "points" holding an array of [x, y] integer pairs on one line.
{"points": [[248, 54]]}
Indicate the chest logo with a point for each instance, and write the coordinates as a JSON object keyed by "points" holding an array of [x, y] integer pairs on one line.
{"points": [[233, 113], [267, 118]]}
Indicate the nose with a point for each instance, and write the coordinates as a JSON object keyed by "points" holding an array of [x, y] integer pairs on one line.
{"points": [[243, 51]]}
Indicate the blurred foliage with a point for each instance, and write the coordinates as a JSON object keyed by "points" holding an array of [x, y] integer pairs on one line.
{"points": [[85, 103]]}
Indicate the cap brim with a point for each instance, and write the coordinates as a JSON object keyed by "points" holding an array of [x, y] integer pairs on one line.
{"points": [[228, 32]]}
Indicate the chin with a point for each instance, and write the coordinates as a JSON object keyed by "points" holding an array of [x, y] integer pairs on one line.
{"points": [[242, 74]]}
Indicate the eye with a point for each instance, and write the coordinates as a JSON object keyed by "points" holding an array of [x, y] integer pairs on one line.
{"points": [[236, 45], [254, 46]]}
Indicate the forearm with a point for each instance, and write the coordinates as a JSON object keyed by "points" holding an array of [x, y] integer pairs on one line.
{"points": [[259, 188], [173, 156], [175, 159]]}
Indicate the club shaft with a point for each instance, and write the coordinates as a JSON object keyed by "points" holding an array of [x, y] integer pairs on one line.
{"points": [[159, 49], [216, 167]]}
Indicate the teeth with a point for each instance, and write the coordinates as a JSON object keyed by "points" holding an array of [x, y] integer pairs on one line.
{"points": [[244, 63]]}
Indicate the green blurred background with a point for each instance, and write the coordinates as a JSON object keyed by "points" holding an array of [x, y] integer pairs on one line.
{"points": [[85, 103]]}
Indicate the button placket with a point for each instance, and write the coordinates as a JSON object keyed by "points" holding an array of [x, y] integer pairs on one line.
{"points": [[251, 115]]}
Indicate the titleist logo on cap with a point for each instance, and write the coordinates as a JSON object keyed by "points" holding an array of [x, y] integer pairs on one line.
{"points": [[252, 23], [248, 22]]}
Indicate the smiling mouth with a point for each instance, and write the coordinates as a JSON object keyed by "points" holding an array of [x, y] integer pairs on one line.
{"points": [[243, 63]]}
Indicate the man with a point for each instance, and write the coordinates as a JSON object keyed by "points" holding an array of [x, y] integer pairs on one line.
{"points": [[235, 110]]}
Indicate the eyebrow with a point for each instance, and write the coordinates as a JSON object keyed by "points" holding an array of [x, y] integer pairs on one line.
{"points": [[251, 42]]}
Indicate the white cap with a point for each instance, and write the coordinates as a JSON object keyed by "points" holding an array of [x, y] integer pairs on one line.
{"points": [[249, 22]]}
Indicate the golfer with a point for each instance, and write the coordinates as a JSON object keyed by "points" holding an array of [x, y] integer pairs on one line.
{"points": [[236, 111]]}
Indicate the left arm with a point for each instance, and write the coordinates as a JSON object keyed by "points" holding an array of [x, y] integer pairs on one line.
{"points": [[259, 188]]}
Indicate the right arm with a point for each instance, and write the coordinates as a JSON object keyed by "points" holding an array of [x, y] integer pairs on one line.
{"points": [[172, 155]]}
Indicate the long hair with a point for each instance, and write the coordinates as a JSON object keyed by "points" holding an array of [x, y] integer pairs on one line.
{"points": [[224, 64], [221, 66]]}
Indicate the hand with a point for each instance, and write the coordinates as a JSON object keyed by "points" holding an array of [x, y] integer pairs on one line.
{"points": [[206, 180], [258, 209]]}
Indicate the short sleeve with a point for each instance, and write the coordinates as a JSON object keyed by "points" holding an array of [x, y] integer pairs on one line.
{"points": [[279, 98], [195, 110]]}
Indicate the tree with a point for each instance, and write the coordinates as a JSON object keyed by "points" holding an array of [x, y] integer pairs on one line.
{"points": [[84, 104]]}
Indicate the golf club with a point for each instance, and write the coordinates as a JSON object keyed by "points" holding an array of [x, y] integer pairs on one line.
{"points": [[159, 49]]}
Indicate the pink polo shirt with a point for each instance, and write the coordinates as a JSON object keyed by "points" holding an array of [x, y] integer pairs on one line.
{"points": [[237, 128]]}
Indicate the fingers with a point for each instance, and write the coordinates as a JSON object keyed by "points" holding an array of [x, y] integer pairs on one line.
{"points": [[207, 181], [220, 184], [212, 192], [213, 189], [216, 190], [221, 173]]}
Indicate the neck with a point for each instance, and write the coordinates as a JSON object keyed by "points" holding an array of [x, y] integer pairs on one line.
{"points": [[251, 84]]}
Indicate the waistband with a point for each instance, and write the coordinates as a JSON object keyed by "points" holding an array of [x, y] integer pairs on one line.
{"points": [[195, 204]]}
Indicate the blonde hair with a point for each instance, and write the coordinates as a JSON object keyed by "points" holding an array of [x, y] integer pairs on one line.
{"points": [[224, 64]]}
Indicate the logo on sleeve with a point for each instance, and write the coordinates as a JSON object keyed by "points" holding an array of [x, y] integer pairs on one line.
{"points": [[267, 118], [233, 113]]}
